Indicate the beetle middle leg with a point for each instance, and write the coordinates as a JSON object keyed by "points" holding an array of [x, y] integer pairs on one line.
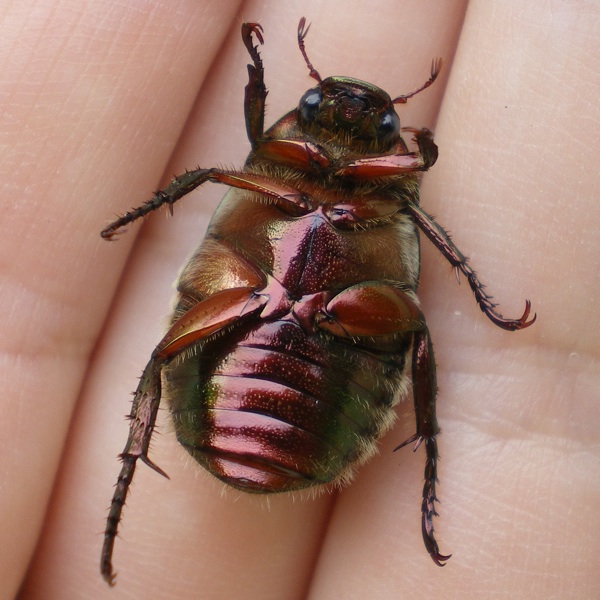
{"points": [[182, 185], [458, 260]]}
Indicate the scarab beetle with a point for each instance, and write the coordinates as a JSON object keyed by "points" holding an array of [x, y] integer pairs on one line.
{"points": [[297, 325]]}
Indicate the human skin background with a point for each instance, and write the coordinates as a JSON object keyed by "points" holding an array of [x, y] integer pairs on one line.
{"points": [[104, 101]]}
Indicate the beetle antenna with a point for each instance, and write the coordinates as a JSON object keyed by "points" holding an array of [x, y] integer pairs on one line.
{"points": [[436, 67], [302, 33]]}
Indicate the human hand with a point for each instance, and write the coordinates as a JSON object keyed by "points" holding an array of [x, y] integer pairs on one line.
{"points": [[519, 450]]}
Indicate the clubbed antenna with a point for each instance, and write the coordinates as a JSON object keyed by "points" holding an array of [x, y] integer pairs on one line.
{"points": [[436, 67], [302, 33]]}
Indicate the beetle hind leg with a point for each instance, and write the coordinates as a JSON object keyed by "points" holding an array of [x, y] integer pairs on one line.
{"points": [[424, 390], [142, 420], [428, 505], [391, 311], [204, 319]]}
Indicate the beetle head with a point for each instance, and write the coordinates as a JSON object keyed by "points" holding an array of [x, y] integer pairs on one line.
{"points": [[349, 109]]}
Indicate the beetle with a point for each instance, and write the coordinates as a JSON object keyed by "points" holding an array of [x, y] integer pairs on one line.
{"points": [[297, 328]]}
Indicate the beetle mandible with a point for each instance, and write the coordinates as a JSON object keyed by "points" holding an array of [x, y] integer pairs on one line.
{"points": [[297, 322]]}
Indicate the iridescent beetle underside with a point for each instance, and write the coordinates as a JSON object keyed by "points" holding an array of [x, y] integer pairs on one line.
{"points": [[297, 325]]}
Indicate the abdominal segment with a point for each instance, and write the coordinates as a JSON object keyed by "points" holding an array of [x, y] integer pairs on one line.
{"points": [[269, 408]]}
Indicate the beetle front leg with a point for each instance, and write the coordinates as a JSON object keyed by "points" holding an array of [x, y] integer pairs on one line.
{"points": [[389, 165], [427, 147], [255, 92], [424, 392], [454, 256]]}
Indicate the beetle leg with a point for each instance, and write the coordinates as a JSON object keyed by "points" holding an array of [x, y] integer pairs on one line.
{"points": [[309, 156], [370, 309], [454, 256], [299, 154], [424, 392], [395, 164], [142, 420], [390, 310], [382, 166], [256, 91], [427, 147], [189, 181], [204, 319]]}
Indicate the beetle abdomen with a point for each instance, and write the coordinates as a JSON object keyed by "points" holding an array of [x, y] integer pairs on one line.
{"points": [[273, 409]]}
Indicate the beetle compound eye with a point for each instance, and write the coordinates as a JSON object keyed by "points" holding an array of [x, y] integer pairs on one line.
{"points": [[309, 104], [389, 126]]}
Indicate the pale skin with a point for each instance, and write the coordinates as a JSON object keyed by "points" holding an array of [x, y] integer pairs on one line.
{"points": [[96, 100]]}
